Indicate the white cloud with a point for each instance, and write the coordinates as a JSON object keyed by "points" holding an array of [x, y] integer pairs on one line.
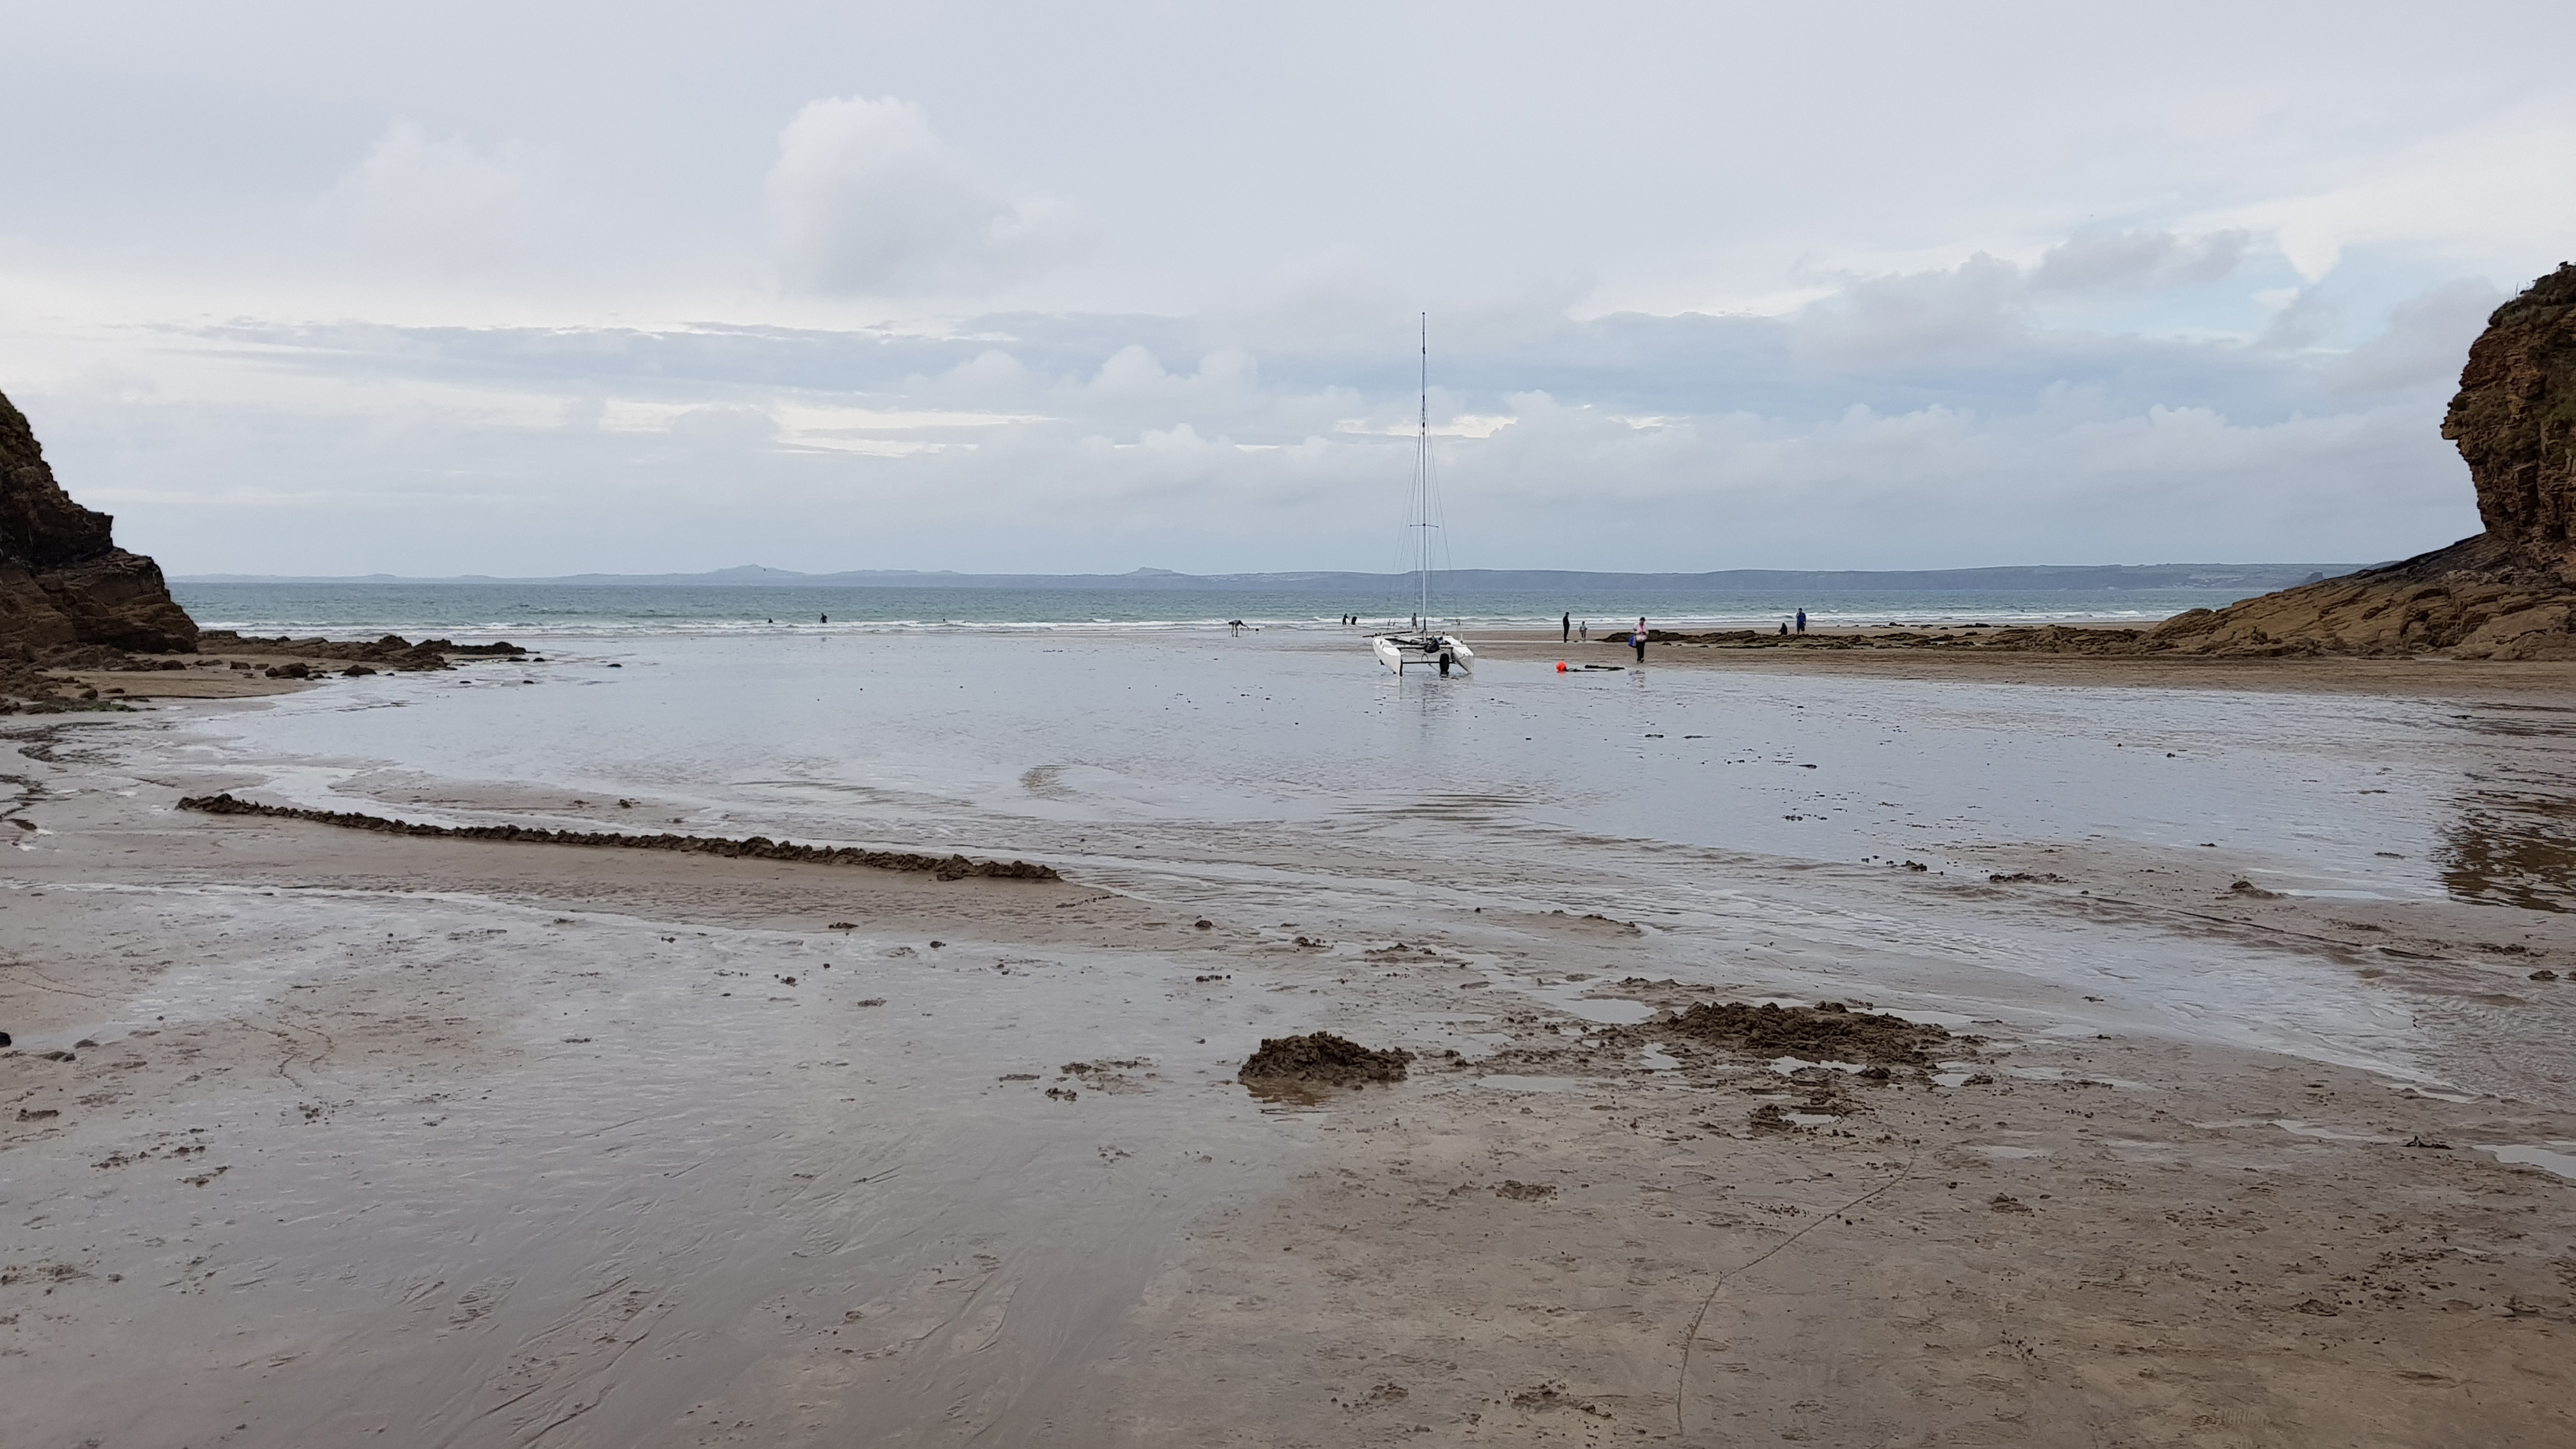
{"points": [[2139, 258], [2426, 341], [1907, 318], [866, 200], [443, 203], [2476, 195]]}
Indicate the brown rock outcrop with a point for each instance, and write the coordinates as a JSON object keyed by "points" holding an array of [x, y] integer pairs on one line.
{"points": [[63, 580], [2507, 593], [392, 651]]}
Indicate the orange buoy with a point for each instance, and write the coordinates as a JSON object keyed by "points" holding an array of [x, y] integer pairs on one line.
{"points": [[1560, 666]]}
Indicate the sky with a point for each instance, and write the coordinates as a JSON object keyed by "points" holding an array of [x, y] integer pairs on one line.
{"points": [[534, 289]]}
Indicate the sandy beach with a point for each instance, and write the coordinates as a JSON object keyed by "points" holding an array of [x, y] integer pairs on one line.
{"points": [[2415, 677], [320, 1136]]}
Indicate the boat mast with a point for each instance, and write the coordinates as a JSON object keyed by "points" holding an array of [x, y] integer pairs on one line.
{"points": [[1422, 481]]}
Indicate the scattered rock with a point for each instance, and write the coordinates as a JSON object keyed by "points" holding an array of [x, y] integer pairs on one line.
{"points": [[38, 1114], [1519, 1191], [1322, 1059], [1555, 1396], [2544, 974], [1389, 1392], [2004, 1202], [366, 656]]}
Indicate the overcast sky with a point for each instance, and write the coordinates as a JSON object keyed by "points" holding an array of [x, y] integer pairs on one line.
{"points": [[548, 287]]}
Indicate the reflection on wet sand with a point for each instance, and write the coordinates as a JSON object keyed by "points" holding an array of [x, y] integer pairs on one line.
{"points": [[2512, 850], [2513, 840]]}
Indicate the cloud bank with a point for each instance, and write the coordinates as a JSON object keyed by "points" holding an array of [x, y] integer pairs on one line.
{"points": [[1937, 418]]}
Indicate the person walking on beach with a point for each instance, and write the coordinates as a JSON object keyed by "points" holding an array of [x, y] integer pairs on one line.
{"points": [[1568, 626], [1587, 631], [1639, 638], [1802, 621]]}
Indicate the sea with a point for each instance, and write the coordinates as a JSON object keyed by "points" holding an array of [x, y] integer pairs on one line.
{"points": [[517, 611]]}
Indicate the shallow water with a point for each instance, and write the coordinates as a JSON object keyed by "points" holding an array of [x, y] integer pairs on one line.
{"points": [[1062, 745], [1759, 825]]}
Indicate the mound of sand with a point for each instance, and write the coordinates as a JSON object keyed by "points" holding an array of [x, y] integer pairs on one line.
{"points": [[1321, 1059], [1830, 1032]]}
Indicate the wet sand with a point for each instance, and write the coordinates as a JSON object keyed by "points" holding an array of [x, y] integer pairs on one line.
{"points": [[313, 1136], [2395, 678]]}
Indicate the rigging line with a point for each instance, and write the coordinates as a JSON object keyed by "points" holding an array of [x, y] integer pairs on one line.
{"points": [[1681, 1381]]}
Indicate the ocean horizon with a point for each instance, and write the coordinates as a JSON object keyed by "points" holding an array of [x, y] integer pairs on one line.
{"points": [[755, 600]]}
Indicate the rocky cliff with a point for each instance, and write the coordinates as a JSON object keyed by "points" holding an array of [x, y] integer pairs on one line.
{"points": [[63, 580], [2506, 593]]}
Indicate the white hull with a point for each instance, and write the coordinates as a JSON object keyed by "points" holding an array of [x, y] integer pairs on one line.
{"points": [[1405, 652]]}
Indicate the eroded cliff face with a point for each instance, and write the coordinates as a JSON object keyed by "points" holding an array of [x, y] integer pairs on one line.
{"points": [[2507, 593], [63, 580], [2515, 420]]}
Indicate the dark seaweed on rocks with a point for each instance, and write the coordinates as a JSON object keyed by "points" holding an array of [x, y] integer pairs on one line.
{"points": [[758, 847], [1322, 1059], [1828, 1033], [393, 651]]}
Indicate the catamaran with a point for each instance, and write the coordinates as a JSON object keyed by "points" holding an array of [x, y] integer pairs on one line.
{"points": [[1423, 646]]}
